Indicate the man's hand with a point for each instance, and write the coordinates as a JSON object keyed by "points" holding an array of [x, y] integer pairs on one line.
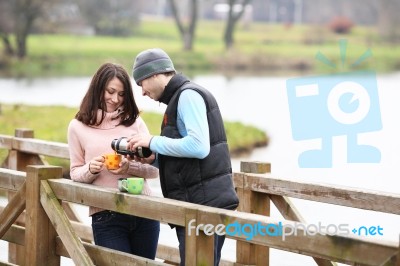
{"points": [[139, 140], [148, 160]]}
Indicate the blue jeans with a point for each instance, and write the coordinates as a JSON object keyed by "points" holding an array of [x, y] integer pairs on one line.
{"points": [[127, 233], [218, 243]]}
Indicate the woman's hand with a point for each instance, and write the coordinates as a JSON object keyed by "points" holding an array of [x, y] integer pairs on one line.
{"points": [[96, 164], [123, 167]]}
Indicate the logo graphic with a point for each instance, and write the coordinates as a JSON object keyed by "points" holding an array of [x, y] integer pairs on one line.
{"points": [[322, 107], [250, 230]]}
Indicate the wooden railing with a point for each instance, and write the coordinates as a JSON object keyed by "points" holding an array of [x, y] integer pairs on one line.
{"points": [[49, 228]]}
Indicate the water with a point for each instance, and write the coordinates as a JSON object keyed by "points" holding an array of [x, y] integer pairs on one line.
{"points": [[262, 101]]}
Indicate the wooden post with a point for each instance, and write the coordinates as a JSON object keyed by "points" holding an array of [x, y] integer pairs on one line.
{"points": [[18, 161], [398, 255], [199, 248], [40, 235], [253, 202]]}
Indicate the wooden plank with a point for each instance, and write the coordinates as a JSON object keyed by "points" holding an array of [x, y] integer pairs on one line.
{"points": [[336, 248], [11, 179], [253, 202], [63, 227], [345, 249], [40, 234], [24, 133], [238, 181], [333, 194], [205, 250], [4, 263], [255, 167], [398, 255], [167, 253], [6, 142], [199, 248], [16, 253], [83, 231], [72, 215], [43, 147], [13, 209], [16, 235], [161, 209], [190, 238], [106, 256], [286, 207], [290, 212]]}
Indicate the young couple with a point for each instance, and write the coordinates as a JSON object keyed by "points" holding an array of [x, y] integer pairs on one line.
{"points": [[190, 156]]}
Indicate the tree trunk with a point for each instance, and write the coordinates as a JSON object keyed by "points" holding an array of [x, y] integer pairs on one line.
{"points": [[25, 12], [8, 50], [231, 22], [21, 44], [187, 33], [389, 20], [228, 37]]}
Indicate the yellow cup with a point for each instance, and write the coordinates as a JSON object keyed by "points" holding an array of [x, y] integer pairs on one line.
{"points": [[134, 185], [112, 160]]}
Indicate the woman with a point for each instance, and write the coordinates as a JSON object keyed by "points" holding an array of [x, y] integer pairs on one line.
{"points": [[109, 111]]}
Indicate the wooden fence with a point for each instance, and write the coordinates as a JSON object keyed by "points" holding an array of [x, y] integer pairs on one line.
{"points": [[40, 225]]}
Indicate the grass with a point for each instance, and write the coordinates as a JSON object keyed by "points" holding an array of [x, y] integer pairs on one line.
{"points": [[260, 46], [51, 123]]}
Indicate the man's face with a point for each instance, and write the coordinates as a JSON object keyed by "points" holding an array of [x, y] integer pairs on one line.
{"points": [[153, 86]]}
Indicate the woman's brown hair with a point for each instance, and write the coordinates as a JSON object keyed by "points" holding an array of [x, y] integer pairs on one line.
{"points": [[94, 97]]}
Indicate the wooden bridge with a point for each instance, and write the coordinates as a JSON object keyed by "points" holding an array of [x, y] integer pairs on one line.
{"points": [[40, 225]]}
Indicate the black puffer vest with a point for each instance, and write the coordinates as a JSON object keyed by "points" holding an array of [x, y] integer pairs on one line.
{"points": [[207, 181]]}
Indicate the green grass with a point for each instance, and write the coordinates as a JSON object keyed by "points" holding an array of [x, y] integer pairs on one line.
{"points": [[51, 123], [261, 46]]}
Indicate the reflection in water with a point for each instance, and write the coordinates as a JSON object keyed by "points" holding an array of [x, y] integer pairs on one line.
{"points": [[262, 101]]}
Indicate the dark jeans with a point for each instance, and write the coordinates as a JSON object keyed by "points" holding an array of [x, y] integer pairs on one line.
{"points": [[218, 243], [127, 233]]}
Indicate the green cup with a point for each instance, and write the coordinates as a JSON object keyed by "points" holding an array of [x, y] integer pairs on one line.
{"points": [[134, 185]]}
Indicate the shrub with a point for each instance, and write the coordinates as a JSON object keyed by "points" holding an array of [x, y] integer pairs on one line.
{"points": [[341, 25]]}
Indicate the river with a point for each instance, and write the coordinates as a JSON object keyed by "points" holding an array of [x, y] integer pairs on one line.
{"points": [[263, 102]]}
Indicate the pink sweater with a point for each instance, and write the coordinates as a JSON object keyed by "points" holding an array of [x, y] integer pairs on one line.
{"points": [[86, 142]]}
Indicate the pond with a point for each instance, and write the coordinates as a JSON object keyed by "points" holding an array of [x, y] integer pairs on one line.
{"points": [[264, 102]]}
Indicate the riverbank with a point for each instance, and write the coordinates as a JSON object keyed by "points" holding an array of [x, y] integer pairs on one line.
{"points": [[51, 123], [260, 48]]}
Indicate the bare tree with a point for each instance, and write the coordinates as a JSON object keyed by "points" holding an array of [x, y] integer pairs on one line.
{"points": [[18, 17], [232, 19], [113, 17], [6, 25], [187, 32], [389, 20]]}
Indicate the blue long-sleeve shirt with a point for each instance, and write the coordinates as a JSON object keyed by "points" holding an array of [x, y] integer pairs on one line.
{"points": [[192, 125]]}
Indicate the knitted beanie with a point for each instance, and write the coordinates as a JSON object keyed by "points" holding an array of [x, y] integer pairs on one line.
{"points": [[150, 62]]}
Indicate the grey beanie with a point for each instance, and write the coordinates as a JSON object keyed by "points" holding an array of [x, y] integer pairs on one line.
{"points": [[150, 62]]}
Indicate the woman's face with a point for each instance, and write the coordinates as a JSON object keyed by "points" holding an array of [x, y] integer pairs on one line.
{"points": [[114, 95]]}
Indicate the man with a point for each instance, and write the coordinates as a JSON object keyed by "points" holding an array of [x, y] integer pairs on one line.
{"points": [[192, 152]]}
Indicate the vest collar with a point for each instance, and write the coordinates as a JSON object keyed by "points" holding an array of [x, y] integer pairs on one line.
{"points": [[173, 85]]}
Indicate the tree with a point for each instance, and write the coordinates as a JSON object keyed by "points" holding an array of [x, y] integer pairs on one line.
{"points": [[110, 17], [21, 15], [187, 32], [6, 25], [389, 20], [17, 18], [232, 19]]}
